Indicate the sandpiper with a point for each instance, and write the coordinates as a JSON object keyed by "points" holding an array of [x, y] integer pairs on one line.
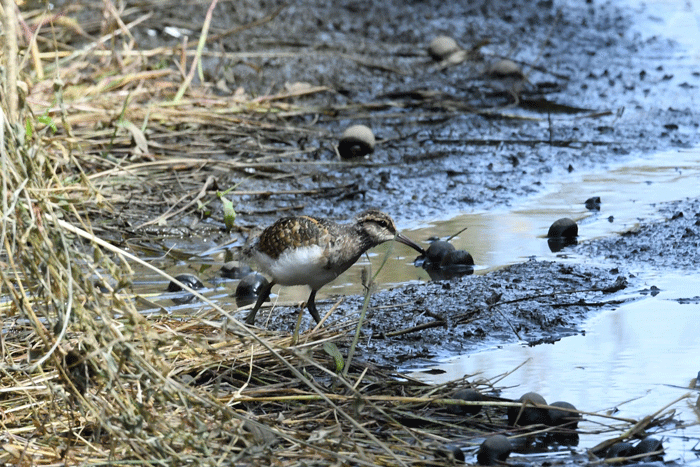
{"points": [[305, 250]]}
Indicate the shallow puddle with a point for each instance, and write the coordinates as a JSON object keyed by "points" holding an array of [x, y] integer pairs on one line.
{"points": [[633, 360], [630, 363]]}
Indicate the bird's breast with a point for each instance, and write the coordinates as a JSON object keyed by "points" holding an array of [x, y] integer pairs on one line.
{"points": [[306, 265]]}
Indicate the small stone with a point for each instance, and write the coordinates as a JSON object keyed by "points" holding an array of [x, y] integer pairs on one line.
{"points": [[505, 69], [450, 452], [527, 414], [562, 417], [190, 280], [466, 394], [356, 141], [235, 270], [563, 228], [647, 446], [249, 288], [494, 450], [438, 250], [593, 204], [619, 450], [251, 285], [457, 258], [442, 47]]}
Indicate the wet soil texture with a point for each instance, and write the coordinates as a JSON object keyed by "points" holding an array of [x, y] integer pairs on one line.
{"points": [[452, 135], [536, 302]]}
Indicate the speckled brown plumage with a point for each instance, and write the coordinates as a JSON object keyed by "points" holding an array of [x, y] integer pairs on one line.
{"points": [[311, 251], [295, 232]]}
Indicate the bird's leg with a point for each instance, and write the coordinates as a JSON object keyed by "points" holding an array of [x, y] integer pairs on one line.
{"points": [[311, 303], [262, 296]]}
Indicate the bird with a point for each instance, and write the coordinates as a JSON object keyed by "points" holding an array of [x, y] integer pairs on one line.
{"points": [[308, 250]]}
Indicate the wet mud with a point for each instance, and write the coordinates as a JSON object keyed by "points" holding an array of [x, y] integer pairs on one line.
{"points": [[670, 245], [537, 302], [451, 136]]}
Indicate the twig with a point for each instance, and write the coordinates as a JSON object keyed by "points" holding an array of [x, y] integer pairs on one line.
{"points": [[196, 63]]}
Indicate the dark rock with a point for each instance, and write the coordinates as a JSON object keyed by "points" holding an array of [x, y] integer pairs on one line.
{"points": [[559, 243], [356, 141], [527, 414], [562, 417], [563, 228], [190, 280], [457, 258], [505, 69], [235, 270], [450, 452], [442, 47], [593, 204], [466, 394], [621, 449], [438, 250], [249, 288], [494, 450], [647, 446]]}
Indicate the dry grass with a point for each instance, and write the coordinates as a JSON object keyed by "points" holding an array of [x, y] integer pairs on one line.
{"points": [[85, 379]]}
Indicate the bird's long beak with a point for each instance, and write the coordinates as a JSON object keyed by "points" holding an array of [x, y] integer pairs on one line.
{"points": [[408, 242]]}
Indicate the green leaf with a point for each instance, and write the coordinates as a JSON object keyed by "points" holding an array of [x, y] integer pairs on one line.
{"points": [[331, 349], [229, 212]]}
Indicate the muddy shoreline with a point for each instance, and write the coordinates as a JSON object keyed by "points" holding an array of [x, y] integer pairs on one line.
{"points": [[449, 140]]}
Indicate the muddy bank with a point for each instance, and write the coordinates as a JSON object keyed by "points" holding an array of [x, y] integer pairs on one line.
{"points": [[450, 136], [536, 302], [671, 245]]}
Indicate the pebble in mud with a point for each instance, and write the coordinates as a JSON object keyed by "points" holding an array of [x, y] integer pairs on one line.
{"points": [[451, 453], [563, 228], [647, 446], [466, 394], [457, 258], [356, 141], [191, 281], [235, 270], [442, 47], [494, 450], [621, 449], [527, 414], [505, 69], [593, 203], [438, 250], [562, 233], [563, 417], [249, 288], [444, 262]]}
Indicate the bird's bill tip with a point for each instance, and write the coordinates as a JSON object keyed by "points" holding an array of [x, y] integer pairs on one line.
{"points": [[408, 242]]}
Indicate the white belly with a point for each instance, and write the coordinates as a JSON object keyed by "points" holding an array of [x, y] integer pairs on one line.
{"points": [[301, 266]]}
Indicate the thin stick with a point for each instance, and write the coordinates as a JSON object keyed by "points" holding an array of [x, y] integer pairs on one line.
{"points": [[196, 64]]}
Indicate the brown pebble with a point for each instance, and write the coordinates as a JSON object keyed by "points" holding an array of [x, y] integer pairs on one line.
{"points": [[356, 141], [442, 47]]}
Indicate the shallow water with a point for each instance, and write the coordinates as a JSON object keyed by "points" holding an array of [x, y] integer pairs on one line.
{"points": [[631, 362]]}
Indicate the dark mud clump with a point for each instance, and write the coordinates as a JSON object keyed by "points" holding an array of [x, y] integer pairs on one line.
{"points": [[673, 244], [535, 302]]}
